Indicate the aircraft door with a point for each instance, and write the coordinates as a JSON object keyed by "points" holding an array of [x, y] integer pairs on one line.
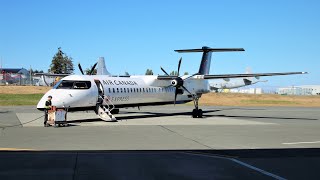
{"points": [[100, 91]]}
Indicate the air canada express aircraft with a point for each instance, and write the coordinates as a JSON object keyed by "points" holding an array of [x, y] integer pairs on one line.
{"points": [[105, 94]]}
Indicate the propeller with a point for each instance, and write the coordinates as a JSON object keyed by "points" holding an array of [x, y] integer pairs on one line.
{"points": [[80, 68], [91, 71], [164, 71], [178, 81]]}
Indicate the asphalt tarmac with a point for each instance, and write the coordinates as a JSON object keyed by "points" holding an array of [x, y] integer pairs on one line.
{"points": [[163, 142]]}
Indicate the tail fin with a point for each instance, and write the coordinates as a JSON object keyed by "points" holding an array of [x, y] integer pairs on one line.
{"points": [[206, 56], [102, 70]]}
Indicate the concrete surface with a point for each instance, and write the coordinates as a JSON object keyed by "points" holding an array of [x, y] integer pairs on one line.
{"points": [[228, 143], [165, 127]]}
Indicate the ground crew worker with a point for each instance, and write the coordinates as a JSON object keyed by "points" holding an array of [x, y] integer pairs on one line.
{"points": [[47, 106]]}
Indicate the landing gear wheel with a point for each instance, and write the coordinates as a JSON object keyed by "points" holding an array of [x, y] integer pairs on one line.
{"points": [[194, 113], [200, 113], [197, 113]]}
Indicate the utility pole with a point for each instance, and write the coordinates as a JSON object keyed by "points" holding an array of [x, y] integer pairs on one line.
{"points": [[30, 75]]}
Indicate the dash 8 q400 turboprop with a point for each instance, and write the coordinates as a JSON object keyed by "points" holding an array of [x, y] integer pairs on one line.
{"points": [[105, 94]]}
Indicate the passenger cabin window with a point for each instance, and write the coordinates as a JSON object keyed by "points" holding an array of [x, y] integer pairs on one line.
{"points": [[69, 84]]}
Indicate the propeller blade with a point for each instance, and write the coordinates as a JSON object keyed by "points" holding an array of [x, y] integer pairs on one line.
{"points": [[175, 96], [92, 69], [191, 76], [164, 71], [179, 66], [186, 90], [80, 68]]}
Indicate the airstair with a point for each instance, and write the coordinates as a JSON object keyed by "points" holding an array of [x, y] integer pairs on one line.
{"points": [[105, 106]]}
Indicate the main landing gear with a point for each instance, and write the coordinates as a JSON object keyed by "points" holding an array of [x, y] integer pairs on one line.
{"points": [[196, 113]]}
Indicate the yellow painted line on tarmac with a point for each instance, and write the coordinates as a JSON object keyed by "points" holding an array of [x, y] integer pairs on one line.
{"points": [[16, 149]]}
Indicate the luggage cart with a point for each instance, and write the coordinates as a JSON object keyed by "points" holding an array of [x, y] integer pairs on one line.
{"points": [[58, 118]]}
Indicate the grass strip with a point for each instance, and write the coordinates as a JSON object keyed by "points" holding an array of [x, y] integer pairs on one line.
{"points": [[263, 101], [19, 99]]}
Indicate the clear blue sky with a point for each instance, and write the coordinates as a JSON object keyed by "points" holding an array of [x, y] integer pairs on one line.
{"points": [[278, 35]]}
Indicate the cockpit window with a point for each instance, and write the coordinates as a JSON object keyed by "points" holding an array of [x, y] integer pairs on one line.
{"points": [[66, 84]]}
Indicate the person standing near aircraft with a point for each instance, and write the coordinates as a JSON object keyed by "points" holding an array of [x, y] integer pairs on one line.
{"points": [[48, 106]]}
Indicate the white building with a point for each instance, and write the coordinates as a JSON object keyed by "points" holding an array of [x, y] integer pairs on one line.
{"points": [[247, 91], [300, 90]]}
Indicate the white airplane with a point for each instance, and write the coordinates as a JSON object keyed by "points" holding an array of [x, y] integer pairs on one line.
{"points": [[226, 83], [104, 93]]}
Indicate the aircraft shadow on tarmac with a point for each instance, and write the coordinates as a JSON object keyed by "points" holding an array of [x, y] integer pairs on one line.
{"points": [[142, 115], [206, 114], [265, 117]]}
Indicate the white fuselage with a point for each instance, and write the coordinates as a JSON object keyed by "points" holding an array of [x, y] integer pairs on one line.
{"points": [[82, 91], [220, 84]]}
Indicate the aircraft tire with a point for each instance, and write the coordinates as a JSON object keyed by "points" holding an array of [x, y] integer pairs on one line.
{"points": [[200, 113], [194, 113]]}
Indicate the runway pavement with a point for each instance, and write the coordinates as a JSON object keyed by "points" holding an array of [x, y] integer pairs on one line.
{"points": [[195, 145], [165, 127]]}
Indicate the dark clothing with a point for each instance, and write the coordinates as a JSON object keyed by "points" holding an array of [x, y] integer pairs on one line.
{"points": [[47, 107], [45, 117], [48, 103]]}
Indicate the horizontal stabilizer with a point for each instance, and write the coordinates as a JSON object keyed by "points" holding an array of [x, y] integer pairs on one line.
{"points": [[207, 49]]}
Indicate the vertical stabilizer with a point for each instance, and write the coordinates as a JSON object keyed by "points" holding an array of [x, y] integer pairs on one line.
{"points": [[205, 61], [102, 70]]}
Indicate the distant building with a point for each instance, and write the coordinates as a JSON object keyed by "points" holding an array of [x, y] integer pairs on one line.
{"points": [[300, 90], [247, 91], [18, 76]]}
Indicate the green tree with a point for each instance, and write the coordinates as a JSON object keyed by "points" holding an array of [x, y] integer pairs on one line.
{"points": [[174, 73], [61, 63], [186, 73], [126, 73], [36, 71], [149, 72]]}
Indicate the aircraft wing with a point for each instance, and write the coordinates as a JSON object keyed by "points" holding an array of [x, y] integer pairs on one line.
{"points": [[223, 76], [247, 75], [164, 77], [54, 75]]}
